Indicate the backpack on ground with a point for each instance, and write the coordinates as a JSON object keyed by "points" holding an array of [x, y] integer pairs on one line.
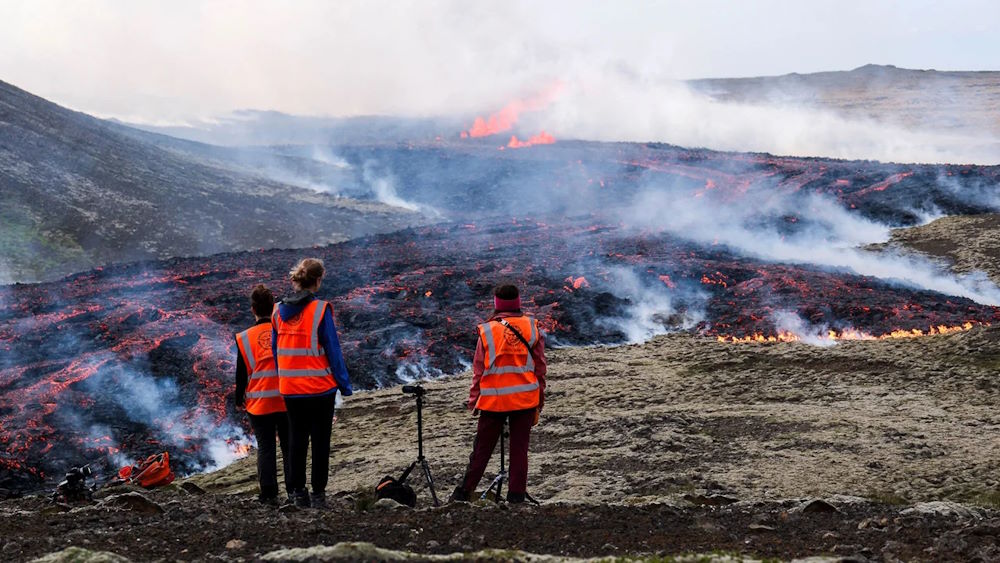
{"points": [[392, 488], [154, 471]]}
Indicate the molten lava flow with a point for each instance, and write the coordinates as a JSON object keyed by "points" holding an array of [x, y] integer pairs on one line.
{"points": [[505, 119], [850, 334], [542, 138]]}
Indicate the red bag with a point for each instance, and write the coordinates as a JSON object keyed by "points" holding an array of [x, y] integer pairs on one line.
{"points": [[154, 471]]}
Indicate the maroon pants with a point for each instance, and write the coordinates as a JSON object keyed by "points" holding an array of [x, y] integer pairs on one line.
{"points": [[490, 427]]}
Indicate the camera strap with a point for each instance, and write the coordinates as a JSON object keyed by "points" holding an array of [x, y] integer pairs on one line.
{"points": [[516, 333]]}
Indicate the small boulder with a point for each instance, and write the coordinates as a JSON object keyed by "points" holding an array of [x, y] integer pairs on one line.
{"points": [[57, 508], [815, 506], [235, 544], [192, 488], [385, 504], [81, 555], [942, 508], [133, 501]]}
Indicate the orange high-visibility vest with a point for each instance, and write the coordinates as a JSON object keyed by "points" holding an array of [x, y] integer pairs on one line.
{"points": [[262, 395], [508, 382], [303, 368]]}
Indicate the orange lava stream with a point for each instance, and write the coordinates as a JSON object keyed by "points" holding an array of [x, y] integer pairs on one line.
{"points": [[850, 334], [542, 138]]}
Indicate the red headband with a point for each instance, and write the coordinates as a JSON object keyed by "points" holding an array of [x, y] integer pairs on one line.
{"points": [[507, 304]]}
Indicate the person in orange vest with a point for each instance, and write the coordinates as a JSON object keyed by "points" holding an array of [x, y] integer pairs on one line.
{"points": [[310, 372], [508, 385], [257, 390]]}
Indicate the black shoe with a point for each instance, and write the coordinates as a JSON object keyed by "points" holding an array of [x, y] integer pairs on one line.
{"points": [[268, 501], [521, 498], [318, 500], [516, 498], [459, 495], [302, 499]]}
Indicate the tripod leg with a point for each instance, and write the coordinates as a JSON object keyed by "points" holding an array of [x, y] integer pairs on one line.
{"points": [[430, 481]]}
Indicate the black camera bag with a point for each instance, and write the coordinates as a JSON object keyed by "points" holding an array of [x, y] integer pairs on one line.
{"points": [[390, 487]]}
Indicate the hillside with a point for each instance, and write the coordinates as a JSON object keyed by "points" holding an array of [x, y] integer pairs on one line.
{"points": [[76, 192], [965, 103]]}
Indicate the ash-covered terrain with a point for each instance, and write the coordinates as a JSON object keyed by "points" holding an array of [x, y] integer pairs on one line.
{"points": [[610, 243], [76, 192]]}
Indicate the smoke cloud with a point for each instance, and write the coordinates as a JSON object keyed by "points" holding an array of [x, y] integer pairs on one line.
{"points": [[823, 233], [621, 105]]}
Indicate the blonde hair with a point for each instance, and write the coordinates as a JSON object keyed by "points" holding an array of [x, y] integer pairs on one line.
{"points": [[307, 273]]}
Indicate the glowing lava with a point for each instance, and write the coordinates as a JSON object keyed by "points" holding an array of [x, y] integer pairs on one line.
{"points": [[506, 118], [848, 334], [542, 138]]}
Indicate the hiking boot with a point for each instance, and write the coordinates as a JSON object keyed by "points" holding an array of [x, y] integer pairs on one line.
{"points": [[521, 498], [459, 495], [318, 500], [301, 499], [268, 501]]}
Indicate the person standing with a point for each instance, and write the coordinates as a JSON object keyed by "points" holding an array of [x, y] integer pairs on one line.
{"points": [[310, 372], [508, 385], [257, 390]]}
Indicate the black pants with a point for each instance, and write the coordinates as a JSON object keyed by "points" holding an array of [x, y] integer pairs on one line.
{"points": [[310, 417], [265, 428]]}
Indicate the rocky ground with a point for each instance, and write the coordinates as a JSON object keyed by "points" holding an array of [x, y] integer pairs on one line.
{"points": [[680, 445]]}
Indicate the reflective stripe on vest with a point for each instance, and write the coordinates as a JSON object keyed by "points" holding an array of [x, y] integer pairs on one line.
{"points": [[262, 396], [508, 381], [270, 393], [303, 368]]}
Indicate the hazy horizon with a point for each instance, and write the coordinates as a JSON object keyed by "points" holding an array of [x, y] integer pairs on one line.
{"points": [[158, 63]]}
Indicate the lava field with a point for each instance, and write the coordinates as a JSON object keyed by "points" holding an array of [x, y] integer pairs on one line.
{"points": [[111, 364]]}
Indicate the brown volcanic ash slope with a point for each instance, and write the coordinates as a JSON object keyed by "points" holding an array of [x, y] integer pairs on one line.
{"points": [[966, 243], [958, 102], [902, 420], [76, 192]]}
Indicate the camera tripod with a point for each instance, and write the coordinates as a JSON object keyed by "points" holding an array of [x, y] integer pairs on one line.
{"points": [[419, 392], [498, 480]]}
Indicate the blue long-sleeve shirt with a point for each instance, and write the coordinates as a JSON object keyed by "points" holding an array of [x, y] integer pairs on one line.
{"points": [[328, 339]]}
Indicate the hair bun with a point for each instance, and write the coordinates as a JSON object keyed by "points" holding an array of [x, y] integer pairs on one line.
{"points": [[307, 273]]}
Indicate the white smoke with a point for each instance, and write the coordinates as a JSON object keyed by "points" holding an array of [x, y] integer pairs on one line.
{"points": [[383, 186], [830, 236], [789, 322], [651, 309], [623, 106], [157, 404]]}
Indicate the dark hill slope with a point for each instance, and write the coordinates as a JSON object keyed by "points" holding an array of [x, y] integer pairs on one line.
{"points": [[76, 191]]}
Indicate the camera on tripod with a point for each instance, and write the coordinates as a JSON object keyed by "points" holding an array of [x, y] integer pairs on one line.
{"points": [[397, 489], [76, 486], [417, 390]]}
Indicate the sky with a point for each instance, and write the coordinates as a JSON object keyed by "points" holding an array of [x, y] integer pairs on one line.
{"points": [[169, 62]]}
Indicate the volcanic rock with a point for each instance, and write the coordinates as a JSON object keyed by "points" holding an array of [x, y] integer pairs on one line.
{"points": [[192, 488], [81, 555], [814, 506], [943, 508], [235, 544], [387, 504], [133, 501]]}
